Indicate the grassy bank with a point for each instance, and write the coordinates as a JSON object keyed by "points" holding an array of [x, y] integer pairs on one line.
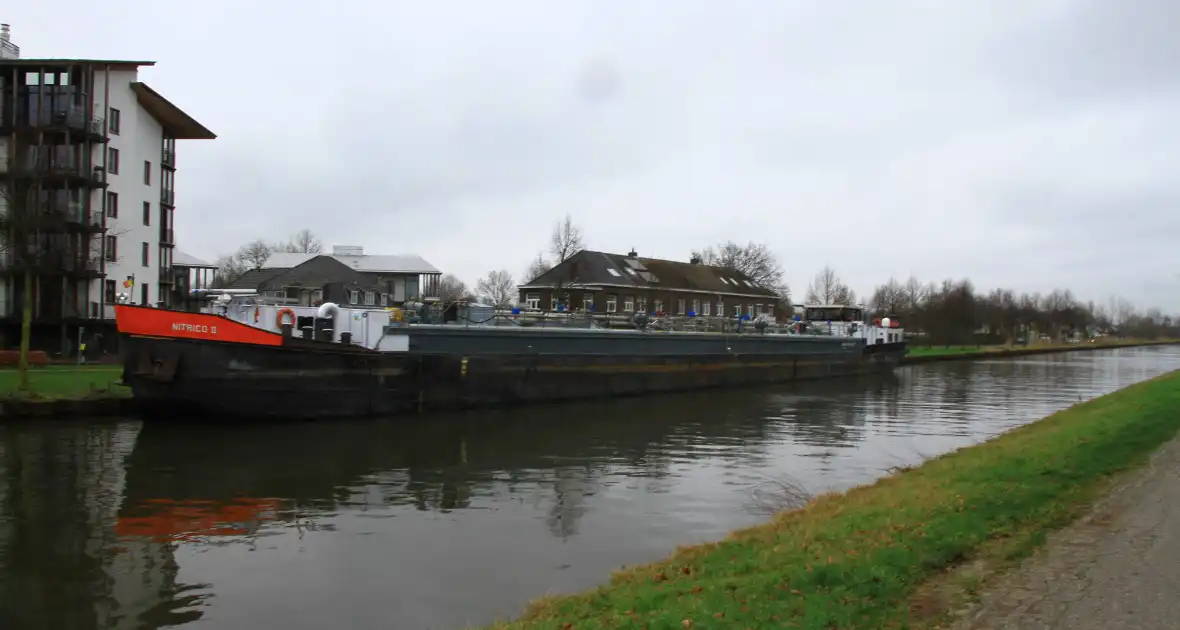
{"points": [[925, 354], [871, 557], [65, 382]]}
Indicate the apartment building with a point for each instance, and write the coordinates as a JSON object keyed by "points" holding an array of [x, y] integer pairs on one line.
{"points": [[88, 164]]}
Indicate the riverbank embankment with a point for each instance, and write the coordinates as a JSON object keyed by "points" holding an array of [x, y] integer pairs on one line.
{"points": [[1115, 567], [895, 553], [932, 354], [64, 391]]}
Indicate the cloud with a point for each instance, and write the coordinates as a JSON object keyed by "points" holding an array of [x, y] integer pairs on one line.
{"points": [[1028, 145]]}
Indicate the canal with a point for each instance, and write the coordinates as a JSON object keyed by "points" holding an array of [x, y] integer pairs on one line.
{"points": [[444, 521]]}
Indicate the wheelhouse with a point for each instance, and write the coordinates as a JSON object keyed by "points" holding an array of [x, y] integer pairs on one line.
{"points": [[832, 313]]}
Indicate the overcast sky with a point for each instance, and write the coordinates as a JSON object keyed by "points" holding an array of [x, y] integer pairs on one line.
{"points": [[1029, 144]]}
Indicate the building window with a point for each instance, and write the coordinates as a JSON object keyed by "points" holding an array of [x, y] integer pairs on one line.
{"points": [[613, 272], [147, 213], [113, 205], [707, 306], [629, 304], [354, 297], [588, 302], [112, 248], [751, 311], [612, 303], [144, 294], [113, 121], [680, 306], [384, 299], [641, 305], [147, 172], [553, 304], [144, 255], [108, 291], [657, 306], [113, 161], [737, 310], [696, 307], [532, 301]]}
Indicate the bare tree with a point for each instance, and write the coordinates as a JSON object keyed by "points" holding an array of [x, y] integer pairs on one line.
{"points": [[498, 288], [754, 260], [229, 268], [452, 289], [536, 268], [35, 238], [827, 288], [889, 298], [251, 256], [566, 240], [255, 254], [19, 213], [302, 242]]}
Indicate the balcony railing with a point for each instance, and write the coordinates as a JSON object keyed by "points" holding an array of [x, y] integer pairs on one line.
{"points": [[167, 196], [166, 237], [59, 167], [51, 115], [169, 158]]}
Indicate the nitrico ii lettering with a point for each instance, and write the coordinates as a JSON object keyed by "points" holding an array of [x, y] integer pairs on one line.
{"points": [[194, 328]]}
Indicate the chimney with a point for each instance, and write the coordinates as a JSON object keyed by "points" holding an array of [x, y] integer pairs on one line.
{"points": [[8, 50], [632, 253], [348, 250]]}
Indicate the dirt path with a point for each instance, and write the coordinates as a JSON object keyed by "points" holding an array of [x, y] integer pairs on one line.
{"points": [[1119, 567]]}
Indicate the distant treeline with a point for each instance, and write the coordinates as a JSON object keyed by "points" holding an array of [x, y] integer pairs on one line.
{"points": [[955, 312]]}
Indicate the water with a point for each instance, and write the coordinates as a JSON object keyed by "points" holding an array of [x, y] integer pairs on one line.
{"points": [[444, 521]]}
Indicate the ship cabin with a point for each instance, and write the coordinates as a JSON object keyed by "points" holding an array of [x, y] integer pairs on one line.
{"points": [[849, 321], [832, 313]]}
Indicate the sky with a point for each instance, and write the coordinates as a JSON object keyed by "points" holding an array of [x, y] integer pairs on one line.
{"points": [[1030, 145]]}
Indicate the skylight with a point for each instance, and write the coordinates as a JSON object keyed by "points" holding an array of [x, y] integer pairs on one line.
{"points": [[614, 273]]}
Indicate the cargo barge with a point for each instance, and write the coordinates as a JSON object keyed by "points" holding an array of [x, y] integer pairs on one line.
{"points": [[241, 358]]}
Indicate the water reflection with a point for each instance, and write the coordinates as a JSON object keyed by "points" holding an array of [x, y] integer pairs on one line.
{"points": [[449, 520]]}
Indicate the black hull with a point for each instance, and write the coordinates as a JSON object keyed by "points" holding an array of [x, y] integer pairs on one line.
{"points": [[217, 380]]}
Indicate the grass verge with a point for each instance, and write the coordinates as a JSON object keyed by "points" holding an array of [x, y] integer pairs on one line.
{"points": [[919, 354], [860, 559], [65, 382]]}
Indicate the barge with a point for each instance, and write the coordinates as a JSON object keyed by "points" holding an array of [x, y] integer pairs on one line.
{"points": [[245, 359]]}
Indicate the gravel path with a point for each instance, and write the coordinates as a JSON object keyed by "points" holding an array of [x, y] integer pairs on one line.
{"points": [[1119, 567]]}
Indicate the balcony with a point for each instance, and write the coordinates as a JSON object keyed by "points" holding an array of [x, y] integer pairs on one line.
{"points": [[168, 158], [167, 275], [54, 117], [167, 237], [167, 197], [53, 263], [59, 170]]}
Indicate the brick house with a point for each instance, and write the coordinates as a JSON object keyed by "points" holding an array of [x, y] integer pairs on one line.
{"points": [[605, 283]]}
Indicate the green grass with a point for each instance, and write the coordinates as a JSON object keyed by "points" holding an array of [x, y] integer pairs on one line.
{"points": [[944, 351], [56, 382], [870, 557]]}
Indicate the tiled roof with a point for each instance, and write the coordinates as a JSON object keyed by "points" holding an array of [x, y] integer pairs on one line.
{"points": [[602, 268], [255, 277]]}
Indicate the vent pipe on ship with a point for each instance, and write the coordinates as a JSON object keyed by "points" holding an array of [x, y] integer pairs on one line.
{"points": [[327, 311]]}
